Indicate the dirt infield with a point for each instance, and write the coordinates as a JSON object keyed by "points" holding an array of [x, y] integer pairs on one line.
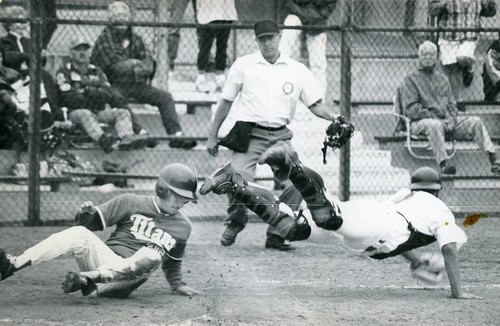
{"points": [[248, 285]]}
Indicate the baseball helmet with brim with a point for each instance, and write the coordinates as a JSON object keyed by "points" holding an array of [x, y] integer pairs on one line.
{"points": [[180, 179]]}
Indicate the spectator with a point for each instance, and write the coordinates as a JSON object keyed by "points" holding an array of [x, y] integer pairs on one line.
{"points": [[14, 110], [90, 99], [11, 123], [308, 13], [122, 55], [213, 12], [456, 48], [491, 73], [176, 13], [263, 89], [426, 98], [15, 47]]}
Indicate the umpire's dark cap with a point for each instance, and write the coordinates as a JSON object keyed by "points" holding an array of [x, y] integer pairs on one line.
{"points": [[265, 27]]}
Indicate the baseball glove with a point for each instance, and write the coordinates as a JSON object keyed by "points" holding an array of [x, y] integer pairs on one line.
{"points": [[337, 134]]}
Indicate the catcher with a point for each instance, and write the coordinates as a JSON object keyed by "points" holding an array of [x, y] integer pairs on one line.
{"points": [[150, 231], [263, 90], [410, 219]]}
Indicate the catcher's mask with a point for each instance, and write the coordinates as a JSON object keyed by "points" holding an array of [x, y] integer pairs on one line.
{"points": [[178, 178]]}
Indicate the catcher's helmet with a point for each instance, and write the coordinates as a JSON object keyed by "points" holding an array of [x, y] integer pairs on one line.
{"points": [[180, 179], [425, 178]]}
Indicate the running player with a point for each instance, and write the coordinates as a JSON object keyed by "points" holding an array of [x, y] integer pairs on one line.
{"points": [[150, 230]]}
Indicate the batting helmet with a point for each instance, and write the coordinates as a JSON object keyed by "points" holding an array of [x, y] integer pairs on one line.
{"points": [[425, 178], [180, 179]]}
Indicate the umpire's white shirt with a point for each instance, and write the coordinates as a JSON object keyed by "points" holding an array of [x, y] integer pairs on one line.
{"points": [[266, 93]]}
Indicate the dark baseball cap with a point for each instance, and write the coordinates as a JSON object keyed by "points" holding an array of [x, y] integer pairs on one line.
{"points": [[265, 27]]}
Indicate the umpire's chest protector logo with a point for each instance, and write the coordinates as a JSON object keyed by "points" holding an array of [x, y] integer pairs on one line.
{"points": [[287, 88]]}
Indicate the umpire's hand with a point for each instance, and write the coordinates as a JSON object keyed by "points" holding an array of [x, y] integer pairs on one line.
{"points": [[212, 146]]}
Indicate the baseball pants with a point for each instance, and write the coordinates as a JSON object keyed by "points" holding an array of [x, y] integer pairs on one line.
{"points": [[92, 254]]}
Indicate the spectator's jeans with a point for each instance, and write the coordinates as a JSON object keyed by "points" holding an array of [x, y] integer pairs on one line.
{"points": [[246, 165], [316, 48], [466, 128], [89, 121], [206, 37], [145, 93], [176, 13]]}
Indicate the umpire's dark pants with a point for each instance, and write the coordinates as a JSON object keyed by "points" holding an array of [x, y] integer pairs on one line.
{"points": [[246, 164]]}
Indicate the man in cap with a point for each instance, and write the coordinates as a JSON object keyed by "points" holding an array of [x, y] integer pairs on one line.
{"points": [[263, 89], [150, 231], [426, 98], [127, 62], [410, 219], [86, 93]]}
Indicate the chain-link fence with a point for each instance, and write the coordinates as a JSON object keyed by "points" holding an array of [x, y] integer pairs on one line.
{"points": [[362, 55]]}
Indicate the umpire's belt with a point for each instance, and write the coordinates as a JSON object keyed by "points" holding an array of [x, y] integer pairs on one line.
{"points": [[269, 128]]}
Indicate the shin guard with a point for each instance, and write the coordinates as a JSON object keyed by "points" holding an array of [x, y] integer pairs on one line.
{"points": [[325, 213]]}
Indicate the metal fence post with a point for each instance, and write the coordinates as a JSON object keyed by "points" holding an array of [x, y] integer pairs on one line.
{"points": [[34, 118], [345, 103]]}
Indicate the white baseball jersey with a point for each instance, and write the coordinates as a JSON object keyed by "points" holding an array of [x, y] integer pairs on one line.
{"points": [[268, 93], [382, 227]]}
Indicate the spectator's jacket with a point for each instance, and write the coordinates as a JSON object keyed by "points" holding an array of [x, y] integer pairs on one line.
{"points": [[310, 12], [7, 77], [459, 14], [13, 56], [425, 95], [85, 90], [491, 72], [111, 48]]}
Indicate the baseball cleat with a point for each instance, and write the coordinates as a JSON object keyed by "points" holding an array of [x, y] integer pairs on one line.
{"points": [[74, 282], [219, 181], [281, 157], [277, 243], [6, 267], [229, 235]]}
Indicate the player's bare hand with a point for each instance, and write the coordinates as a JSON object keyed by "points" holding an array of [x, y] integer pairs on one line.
{"points": [[467, 296], [186, 290], [212, 146], [87, 207]]}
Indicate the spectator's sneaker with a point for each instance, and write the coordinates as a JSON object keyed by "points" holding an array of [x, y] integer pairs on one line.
{"points": [[448, 170], [220, 80], [281, 157], [109, 142], [151, 142], [182, 143], [132, 142], [495, 168], [6, 267], [276, 242], [74, 282], [201, 84], [467, 76], [219, 181], [229, 235]]}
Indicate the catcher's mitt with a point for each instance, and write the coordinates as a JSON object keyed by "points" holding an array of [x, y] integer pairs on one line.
{"points": [[337, 134]]}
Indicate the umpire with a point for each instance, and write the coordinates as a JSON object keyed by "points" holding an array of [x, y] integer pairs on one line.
{"points": [[262, 90]]}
